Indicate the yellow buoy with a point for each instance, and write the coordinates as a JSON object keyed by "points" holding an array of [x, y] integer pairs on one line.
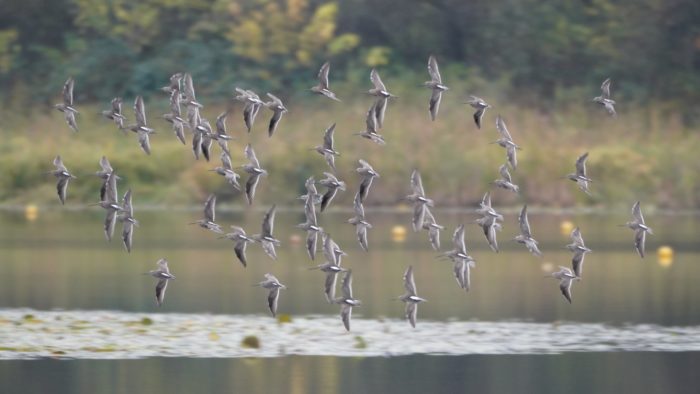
{"points": [[566, 227], [398, 233], [665, 256], [31, 212]]}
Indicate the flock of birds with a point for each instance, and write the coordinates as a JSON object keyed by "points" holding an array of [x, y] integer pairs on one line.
{"points": [[182, 92]]}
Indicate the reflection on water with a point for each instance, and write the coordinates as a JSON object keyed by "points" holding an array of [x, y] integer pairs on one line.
{"points": [[61, 261], [115, 335]]}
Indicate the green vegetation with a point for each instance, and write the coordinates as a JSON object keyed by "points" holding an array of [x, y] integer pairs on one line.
{"points": [[538, 62], [251, 342]]}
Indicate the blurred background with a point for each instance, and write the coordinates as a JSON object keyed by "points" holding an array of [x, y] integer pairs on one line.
{"points": [[539, 63]]}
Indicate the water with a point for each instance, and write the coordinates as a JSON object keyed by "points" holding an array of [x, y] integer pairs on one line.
{"points": [[625, 307]]}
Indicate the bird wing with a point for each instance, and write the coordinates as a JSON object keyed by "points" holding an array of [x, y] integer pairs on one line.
{"points": [[639, 241], [361, 231], [458, 239], [434, 105], [411, 313], [311, 242], [189, 87], [637, 213], [380, 110], [491, 237], [210, 208], [68, 92], [175, 103], [160, 291], [364, 187], [376, 80], [434, 234], [69, 116], [524, 223], [250, 186], [347, 284], [250, 155], [328, 197], [62, 188], [433, 70], [117, 105], [328, 137], [239, 249], [145, 142], [409, 282], [329, 285], [110, 221], [268, 223], [417, 183], [226, 161], [459, 269], [371, 119], [605, 87], [581, 165], [512, 156], [577, 263], [126, 204], [565, 287], [310, 210], [111, 190], [269, 249], [323, 75], [104, 164], [576, 237], [486, 200], [275, 99], [274, 121], [505, 174], [127, 235], [345, 315], [358, 207], [140, 111], [221, 123], [502, 129], [273, 300], [418, 216]]}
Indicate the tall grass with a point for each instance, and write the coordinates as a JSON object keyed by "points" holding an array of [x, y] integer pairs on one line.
{"points": [[645, 154]]}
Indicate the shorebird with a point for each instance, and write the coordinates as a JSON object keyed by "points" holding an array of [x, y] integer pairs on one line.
{"points": [[127, 218], [311, 224], [347, 301], [115, 113], [419, 200], [462, 272], [640, 229], [370, 131], [327, 150], [333, 185], [566, 278], [278, 109], [525, 236], [175, 117], [383, 96], [579, 249], [221, 136], [331, 267], [489, 224], [209, 216], [605, 100], [163, 275], [505, 182], [480, 106], [188, 90], [580, 176], [105, 171], [411, 298], [254, 170], [63, 176], [174, 85], [486, 209], [241, 240], [435, 84], [205, 133], [433, 228], [367, 175], [506, 141], [141, 128], [273, 285], [251, 108], [462, 261], [266, 239], [111, 205], [226, 170], [361, 225], [323, 87], [66, 106]]}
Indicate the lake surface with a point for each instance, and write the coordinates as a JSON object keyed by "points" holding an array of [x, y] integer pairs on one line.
{"points": [[59, 273]]}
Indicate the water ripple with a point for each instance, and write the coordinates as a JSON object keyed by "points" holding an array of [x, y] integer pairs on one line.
{"points": [[30, 334]]}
